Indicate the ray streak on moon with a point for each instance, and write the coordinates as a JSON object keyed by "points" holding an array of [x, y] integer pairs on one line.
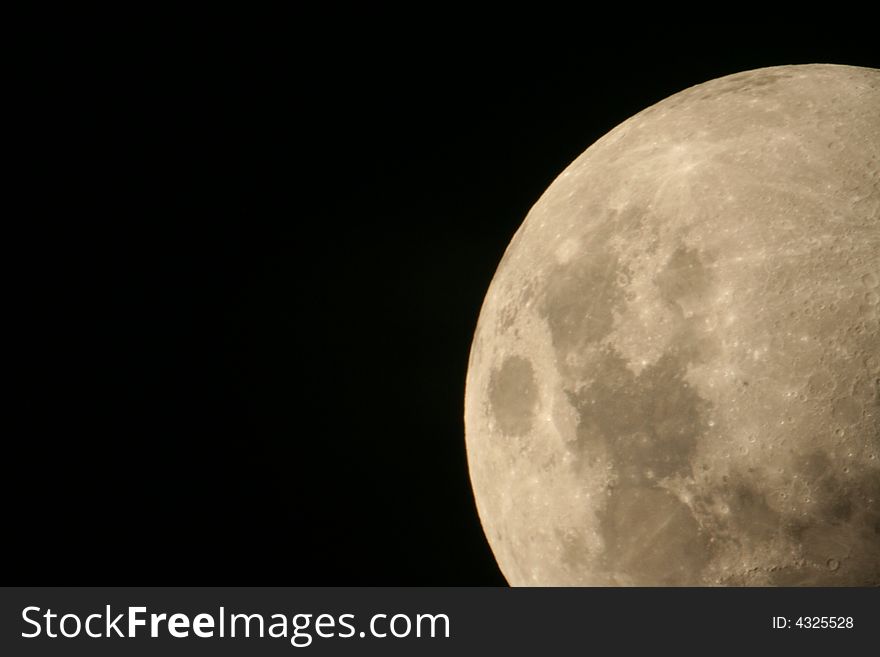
{"points": [[675, 376]]}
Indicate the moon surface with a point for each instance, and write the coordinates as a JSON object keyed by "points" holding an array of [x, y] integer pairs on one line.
{"points": [[675, 376]]}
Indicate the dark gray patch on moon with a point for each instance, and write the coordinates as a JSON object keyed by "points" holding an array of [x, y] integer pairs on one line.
{"points": [[835, 499], [579, 299], [842, 529], [738, 510], [648, 422], [686, 285], [647, 532], [685, 279], [513, 395], [833, 496]]}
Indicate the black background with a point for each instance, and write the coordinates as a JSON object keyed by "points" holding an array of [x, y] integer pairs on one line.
{"points": [[247, 267]]}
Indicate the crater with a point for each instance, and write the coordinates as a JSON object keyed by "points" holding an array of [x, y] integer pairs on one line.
{"points": [[513, 395]]}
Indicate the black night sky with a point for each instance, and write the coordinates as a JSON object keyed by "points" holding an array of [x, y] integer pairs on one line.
{"points": [[253, 268]]}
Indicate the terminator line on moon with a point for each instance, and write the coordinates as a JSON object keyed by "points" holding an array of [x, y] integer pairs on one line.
{"points": [[675, 376]]}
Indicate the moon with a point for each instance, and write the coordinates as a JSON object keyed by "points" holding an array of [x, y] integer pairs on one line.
{"points": [[675, 375]]}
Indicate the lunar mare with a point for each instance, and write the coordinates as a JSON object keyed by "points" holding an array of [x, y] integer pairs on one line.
{"points": [[675, 376]]}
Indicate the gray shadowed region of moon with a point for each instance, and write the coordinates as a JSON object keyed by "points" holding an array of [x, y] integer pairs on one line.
{"points": [[675, 376]]}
